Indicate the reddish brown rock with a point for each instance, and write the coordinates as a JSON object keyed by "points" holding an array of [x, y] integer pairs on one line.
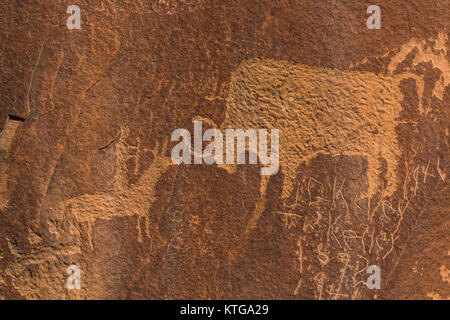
{"points": [[86, 177]]}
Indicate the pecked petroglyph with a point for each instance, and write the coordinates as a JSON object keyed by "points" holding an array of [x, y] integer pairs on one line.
{"points": [[316, 109], [319, 110], [445, 273], [6, 138], [330, 111], [126, 200], [435, 53]]}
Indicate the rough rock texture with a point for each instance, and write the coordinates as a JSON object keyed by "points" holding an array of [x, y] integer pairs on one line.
{"points": [[86, 176]]}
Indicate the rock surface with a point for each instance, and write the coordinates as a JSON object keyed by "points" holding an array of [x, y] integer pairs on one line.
{"points": [[86, 176]]}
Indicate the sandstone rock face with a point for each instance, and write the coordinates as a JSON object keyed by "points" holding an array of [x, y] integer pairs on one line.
{"points": [[86, 176]]}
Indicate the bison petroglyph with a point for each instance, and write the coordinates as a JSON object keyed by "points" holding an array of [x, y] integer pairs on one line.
{"points": [[319, 110]]}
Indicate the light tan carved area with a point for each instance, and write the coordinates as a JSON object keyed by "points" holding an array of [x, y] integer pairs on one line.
{"points": [[316, 110], [445, 274], [6, 138], [335, 112], [445, 277], [435, 53], [330, 111], [319, 110], [126, 200]]}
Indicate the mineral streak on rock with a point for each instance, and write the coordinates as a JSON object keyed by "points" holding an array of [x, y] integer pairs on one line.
{"points": [[86, 177]]}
